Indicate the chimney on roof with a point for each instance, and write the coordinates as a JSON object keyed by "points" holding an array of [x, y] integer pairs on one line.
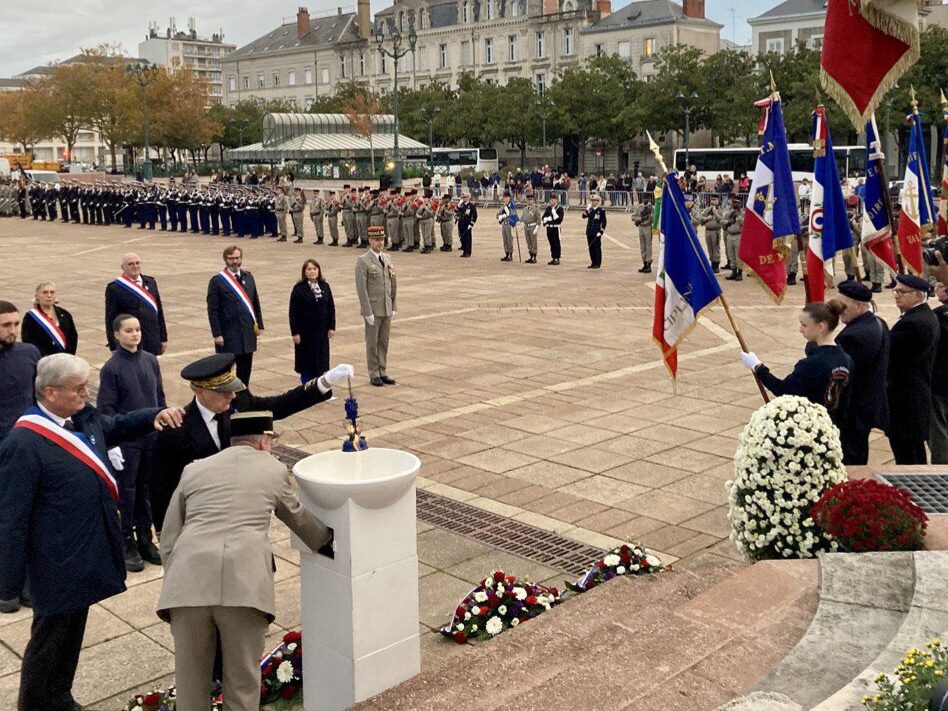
{"points": [[365, 19], [302, 22], [604, 8], [694, 8]]}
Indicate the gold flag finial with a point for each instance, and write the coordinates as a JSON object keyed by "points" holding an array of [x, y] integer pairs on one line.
{"points": [[944, 101], [773, 84], [653, 146], [914, 99]]}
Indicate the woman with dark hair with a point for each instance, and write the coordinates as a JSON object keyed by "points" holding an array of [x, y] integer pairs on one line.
{"points": [[312, 321], [823, 376], [47, 326]]}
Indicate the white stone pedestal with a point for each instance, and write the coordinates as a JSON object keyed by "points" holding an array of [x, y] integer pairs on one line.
{"points": [[360, 607]]}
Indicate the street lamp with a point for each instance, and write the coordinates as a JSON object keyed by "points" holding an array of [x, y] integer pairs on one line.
{"points": [[144, 74], [687, 108], [429, 118], [544, 106], [396, 53]]}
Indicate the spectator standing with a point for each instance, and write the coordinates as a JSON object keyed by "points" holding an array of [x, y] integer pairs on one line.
{"points": [[312, 321], [49, 326]]}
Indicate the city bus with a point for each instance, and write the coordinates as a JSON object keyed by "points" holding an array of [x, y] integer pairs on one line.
{"points": [[449, 161], [712, 162]]}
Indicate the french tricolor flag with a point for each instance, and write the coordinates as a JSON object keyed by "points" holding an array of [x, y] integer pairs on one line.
{"points": [[829, 224], [943, 203], [918, 206]]}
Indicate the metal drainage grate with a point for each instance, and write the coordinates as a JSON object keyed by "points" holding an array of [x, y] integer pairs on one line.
{"points": [[550, 549], [930, 491]]}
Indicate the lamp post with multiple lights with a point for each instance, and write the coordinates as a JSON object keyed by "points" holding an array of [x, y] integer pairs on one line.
{"points": [[144, 74], [396, 53]]}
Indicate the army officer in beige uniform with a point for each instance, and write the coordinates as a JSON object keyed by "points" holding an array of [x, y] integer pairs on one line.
{"points": [[375, 284], [219, 563]]}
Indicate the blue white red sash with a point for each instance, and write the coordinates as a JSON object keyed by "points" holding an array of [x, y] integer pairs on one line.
{"points": [[71, 444], [48, 325], [140, 291], [239, 292]]}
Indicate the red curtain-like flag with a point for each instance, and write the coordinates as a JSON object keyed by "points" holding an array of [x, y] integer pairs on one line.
{"points": [[867, 46]]}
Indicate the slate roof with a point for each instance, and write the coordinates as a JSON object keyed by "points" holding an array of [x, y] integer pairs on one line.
{"points": [[45, 69], [12, 83], [323, 30], [790, 8], [649, 12]]}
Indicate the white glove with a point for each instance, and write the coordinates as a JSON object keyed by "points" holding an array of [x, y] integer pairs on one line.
{"points": [[393, 314], [117, 459], [750, 360], [370, 319], [339, 375]]}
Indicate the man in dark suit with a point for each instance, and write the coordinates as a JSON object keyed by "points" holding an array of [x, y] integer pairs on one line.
{"points": [[865, 339], [59, 520], [595, 217], [218, 393], [938, 443], [233, 309], [136, 294], [914, 339]]}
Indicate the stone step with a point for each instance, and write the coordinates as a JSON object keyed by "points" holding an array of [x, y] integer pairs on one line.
{"points": [[691, 638], [864, 601], [927, 619]]}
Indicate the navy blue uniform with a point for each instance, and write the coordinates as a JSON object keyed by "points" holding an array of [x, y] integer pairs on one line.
{"points": [[866, 341], [466, 216], [595, 225], [822, 378]]}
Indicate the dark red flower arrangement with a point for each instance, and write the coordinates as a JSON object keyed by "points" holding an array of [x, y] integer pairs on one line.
{"points": [[281, 671], [867, 515], [630, 559]]}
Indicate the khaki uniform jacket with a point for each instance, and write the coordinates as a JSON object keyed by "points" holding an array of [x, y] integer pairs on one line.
{"points": [[375, 285], [214, 543]]}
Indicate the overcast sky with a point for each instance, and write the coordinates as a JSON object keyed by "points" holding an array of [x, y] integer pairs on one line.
{"points": [[40, 33]]}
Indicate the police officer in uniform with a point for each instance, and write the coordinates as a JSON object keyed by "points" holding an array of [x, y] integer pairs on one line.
{"points": [[595, 217], [552, 219], [466, 216]]}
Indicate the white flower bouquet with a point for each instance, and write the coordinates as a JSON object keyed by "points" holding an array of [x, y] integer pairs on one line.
{"points": [[788, 455]]}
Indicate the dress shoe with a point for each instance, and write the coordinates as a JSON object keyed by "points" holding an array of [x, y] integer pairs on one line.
{"points": [[133, 560], [319, 241], [282, 239], [377, 382], [427, 250], [715, 267], [8, 606], [877, 287], [409, 248], [334, 244], [446, 248], [646, 268], [593, 266], [149, 552], [507, 258], [791, 279], [532, 260], [727, 267], [387, 380], [553, 262], [465, 256], [298, 240]]}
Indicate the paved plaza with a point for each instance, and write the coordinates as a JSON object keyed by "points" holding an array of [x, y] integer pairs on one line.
{"points": [[529, 391]]}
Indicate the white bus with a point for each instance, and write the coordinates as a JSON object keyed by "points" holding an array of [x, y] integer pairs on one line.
{"points": [[449, 161], [712, 162]]}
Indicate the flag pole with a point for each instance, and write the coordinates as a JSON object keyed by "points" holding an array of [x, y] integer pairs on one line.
{"points": [[727, 309], [887, 204]]}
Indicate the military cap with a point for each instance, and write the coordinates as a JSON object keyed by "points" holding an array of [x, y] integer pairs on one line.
{"points": [[244, 424], [332, 192], [376, 231], [855, 291], [596, 196], [913, 282], [346, 186], [465, 193], [216, 372], [373, 191]]}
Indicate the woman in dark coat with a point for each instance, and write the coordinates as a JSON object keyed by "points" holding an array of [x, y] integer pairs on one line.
{"points": [[312, 321], [46, 324]]}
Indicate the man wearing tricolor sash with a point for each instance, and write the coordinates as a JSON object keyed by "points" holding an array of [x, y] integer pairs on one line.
{"points": [[136, 294], [233, 310], [59, 521]]}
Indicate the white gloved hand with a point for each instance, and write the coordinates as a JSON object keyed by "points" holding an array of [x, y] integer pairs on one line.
{"points": [[370, 319], [393, 314], [117, 459], [339, 375], [750, 360]]}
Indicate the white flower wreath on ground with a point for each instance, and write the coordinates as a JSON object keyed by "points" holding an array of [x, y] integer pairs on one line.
{"points": [[788, 455]]}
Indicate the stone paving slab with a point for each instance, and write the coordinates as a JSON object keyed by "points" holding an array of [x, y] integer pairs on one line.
{"points": [[522, 386]]}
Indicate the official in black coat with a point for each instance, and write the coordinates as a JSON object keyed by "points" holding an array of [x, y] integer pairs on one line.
{"points": [[553, 219], [466, 216], [218, 393], [233, 310], [865, 339], [129, 294], [59, 521], [914, 339], [595, 217], [312, 321], [48, 326]]}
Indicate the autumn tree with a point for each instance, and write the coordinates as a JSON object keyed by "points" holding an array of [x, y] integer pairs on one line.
{"points": [[361, 110], [22, 116], [68, 102]]}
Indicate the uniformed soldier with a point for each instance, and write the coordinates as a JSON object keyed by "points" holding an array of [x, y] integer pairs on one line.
{"points": [[316, 209], [360, 210], [445, 219], [376, 209], [855, 227], [531, 226], [333, 208], [733, 222], [407, 217], [466, 216], [793, 263], [393, 223], [507, 211], [711, 218], [595, 217], [425, 216], [348, 221], [282, 206], [376, 287], [552, 219], [296, 212], [642, 218]]}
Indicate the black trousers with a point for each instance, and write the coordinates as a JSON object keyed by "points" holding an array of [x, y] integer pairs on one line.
{"points": [[553, 237], [133, 489], [50, 661], [594, 243], [909, 451], [855, 441], [465, 233], [244, 363]]}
